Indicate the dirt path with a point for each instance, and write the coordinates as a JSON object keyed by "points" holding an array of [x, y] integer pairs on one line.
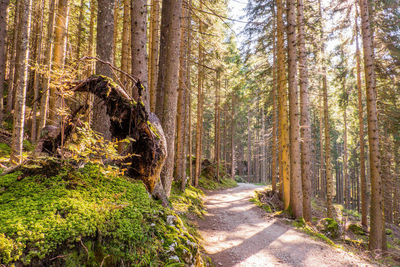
{"points": [[235, 232]]}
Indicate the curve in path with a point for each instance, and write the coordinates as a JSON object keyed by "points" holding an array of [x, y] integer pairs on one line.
{"points": [[235, 232]]}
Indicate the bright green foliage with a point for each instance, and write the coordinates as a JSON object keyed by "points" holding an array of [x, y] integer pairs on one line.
{"points": [[189, 201], [330, 227], [87, 216], [210, 184], [356, 229], [4, 150]]}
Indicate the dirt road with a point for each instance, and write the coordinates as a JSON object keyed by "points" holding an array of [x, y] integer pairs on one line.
{"points": [[235, 232]]}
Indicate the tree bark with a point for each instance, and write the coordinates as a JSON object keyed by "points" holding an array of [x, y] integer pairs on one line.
{"points": [[181, 109], [377, 236], [217, 140], [21, 81], [296, 197], [3, 36], [44, 101], [59, 54], [233, 128], [138, 47], [284, 164], [154, 50], [363, 178], [168, 81], [274, 112], [39, 45], [104, 51], [125, 57], [305, 127]]}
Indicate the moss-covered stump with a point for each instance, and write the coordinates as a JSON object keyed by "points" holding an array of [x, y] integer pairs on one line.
{"points": [[329, 227], [87, 217]]}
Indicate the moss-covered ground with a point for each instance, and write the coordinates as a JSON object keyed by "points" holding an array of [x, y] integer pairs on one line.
{"points": [[88, 216]]}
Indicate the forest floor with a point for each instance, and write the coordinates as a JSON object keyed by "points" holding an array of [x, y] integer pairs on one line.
{"points": [[235, 232]]}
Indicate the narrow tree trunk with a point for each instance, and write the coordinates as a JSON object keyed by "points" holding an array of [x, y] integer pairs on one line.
{"points": [[153, 51], [138, 46], [274, 113], [217, 142], [3, 37], [249, 178], [305, 127], [80, 29], [44, 101], [13, 69], [328, 167], [36, 72], [363, 178], [284, 163], [377, 238], [233, 126], [199, 122], [21, 81], [59, 54], [181, 109], [116, 31], [168, 80], [126, 33]]}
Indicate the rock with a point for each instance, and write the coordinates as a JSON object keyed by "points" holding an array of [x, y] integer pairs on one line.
{"points": [[171, 219]]}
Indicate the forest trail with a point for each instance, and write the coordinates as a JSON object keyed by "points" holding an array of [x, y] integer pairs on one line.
{"points": [[236, 232]]}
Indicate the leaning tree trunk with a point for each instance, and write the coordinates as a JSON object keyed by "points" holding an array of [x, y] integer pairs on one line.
{"points": [[21, 81]]}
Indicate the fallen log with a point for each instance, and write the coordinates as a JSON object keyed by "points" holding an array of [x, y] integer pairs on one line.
{"points": [[128, 119]]}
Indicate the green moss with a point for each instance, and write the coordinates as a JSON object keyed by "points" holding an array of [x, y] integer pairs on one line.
{"points": [[356, 229], [330, 227], [5, 150], [388, 231], [87, 215], [153, 129], [210, 184], [264, 206]]}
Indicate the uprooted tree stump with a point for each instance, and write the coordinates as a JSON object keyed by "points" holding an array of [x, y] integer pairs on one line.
{"points": [[128, 119]]}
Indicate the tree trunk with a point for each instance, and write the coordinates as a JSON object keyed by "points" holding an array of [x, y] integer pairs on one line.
{"points": [[296, 200], [154, 50], [116, 32], [199, 122], [328, 167], [233, 126], [363, 178], [59, 54], [3, 37], [217, 143], [40, 10], [21, 81], [138, 47], [274, 112], [168, 81], [249, 179], [284, 164], [377, 238], [125, 57], [44, 101], [305, 117], [104, 51], [13, 69], [181, 109], [80, 29]]}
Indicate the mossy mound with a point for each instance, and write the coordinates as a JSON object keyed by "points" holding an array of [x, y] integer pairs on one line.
{"points": [[88, 217], [329, 227], [208, 177], [356, 229]]}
